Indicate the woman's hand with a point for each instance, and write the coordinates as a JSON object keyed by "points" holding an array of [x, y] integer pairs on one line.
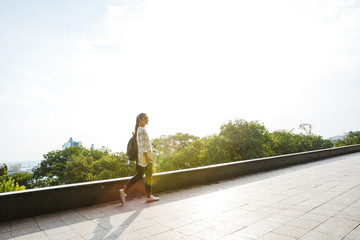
{"points": [[147, 159]]}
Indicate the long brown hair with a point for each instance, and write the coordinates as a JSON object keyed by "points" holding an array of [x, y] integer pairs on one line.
{"points": [[140, 116]]}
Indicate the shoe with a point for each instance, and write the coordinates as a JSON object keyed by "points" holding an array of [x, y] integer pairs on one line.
{"points": [[122, 196], [152, 199]]}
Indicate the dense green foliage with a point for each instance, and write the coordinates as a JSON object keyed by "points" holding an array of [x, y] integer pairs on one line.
{"points": [[78, 164], [350, 139], [167, 146], [7, 184], [24, 179], [3, 170], [237, 140], [244, 140]]}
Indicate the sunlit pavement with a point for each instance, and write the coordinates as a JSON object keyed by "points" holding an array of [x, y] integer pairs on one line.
{"points": [[319, 200]]}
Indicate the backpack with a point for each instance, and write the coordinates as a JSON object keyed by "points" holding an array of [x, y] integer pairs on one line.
{"points": [[132, 149]]}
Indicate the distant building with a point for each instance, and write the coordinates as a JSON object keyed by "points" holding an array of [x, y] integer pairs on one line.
{"points": [[15, 167], [71, 143]]}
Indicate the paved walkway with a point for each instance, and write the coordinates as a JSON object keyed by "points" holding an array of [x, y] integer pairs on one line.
{"points": [[319, 200]]}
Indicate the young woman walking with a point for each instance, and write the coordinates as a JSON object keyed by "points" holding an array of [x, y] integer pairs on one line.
{"points": [[144, 163]]}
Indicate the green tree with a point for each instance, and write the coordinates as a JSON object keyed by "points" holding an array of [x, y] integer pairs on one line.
{"points": [[24, 179], [54, 164], [215, 150], [317, 142], [308, 141], [168, 145], [113, 166], [190, 156], [184, 139], [282, 142], [78, 169], [350, 139], [307, 128], [244, 140], [285, 142], [45, 182], [3, 170], [78, 164], [10, 186]]}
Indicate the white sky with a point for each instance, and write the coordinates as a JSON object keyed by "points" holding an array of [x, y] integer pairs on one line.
{"points": [[85, 69]]}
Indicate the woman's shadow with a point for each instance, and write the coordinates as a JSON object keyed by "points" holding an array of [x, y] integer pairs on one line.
{"points": [[100, 233]]}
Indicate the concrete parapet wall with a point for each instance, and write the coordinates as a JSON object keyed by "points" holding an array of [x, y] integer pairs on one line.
{"points": [[45, 200]]}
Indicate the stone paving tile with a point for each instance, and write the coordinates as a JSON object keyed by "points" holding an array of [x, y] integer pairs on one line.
{"points": [[292, 213], [313, 201], [86, 227], [350, 213], [23, 223], [290, 231], [251, 207], [141, 224], [24, 231], [176, 223], [47, 217], [98, 235], [282, 205], [301, 207], [269, 210], [143, 233], [337, 227], [209, 223], [171, 235], [163, 218], [234, 237], [49, 224], [90, 213], [304, 223], [109, 222], [62, 233], [313, 235], [357, 203], [190, 229], [267, 225], [228, 227], [69, 217], [347, 238], [33, 236], [323, 210], [280, 219], [291, 201], [354, 234], [210, 234], [250, 232], [343, 200], [333, 207], [275, 236], [115, 233], [251, 218], [313, 218]]}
